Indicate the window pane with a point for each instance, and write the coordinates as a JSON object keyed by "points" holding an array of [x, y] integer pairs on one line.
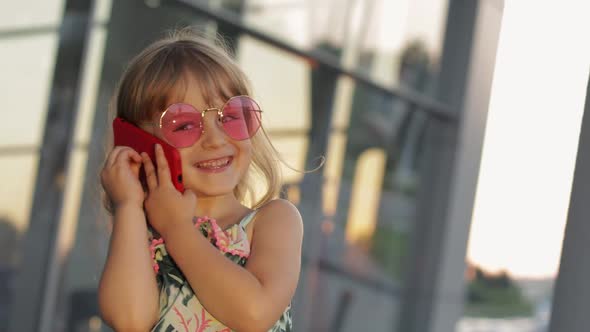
{"points": [[27, 69], [17, 175], [102, 12], [90, 80], [30, 13]]}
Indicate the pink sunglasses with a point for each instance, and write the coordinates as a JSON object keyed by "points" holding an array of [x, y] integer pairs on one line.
{"points": [[182, 124]]}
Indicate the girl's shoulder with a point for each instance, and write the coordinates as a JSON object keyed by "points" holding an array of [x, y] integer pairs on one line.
{"points": [[278, 214]]}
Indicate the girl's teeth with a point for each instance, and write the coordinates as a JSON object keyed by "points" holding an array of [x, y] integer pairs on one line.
{"points": [[214, 164]]}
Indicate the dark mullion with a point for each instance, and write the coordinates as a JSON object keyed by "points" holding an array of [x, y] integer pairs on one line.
{"points": [[37, 31]]}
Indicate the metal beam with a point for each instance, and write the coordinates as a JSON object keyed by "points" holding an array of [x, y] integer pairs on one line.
{"points": [[19, 150], [16, 150], [28, 31]]}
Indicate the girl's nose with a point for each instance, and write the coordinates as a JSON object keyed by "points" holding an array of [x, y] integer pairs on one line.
{"points": [[213, 135]]}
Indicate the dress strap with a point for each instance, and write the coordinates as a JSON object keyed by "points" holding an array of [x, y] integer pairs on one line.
{"points": [[246, 220]]}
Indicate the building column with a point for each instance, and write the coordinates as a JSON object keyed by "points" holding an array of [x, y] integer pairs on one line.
{"points": [[433, 297], [572, 288]]}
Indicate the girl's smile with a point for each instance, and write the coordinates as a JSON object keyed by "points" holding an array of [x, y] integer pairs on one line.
{"points": [[217, 165]]}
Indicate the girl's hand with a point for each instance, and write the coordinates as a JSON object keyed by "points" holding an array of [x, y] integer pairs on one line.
{"points": [[120, 177], [165, 206]]}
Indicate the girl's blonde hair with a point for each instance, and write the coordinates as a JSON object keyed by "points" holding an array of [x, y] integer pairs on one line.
{"points": [[161, 70]]}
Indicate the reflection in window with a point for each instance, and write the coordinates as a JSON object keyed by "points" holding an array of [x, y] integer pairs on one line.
{"points": [[17, 178], [366, 192]]}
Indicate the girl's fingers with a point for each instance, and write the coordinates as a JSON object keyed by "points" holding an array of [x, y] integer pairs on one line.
{"points": [[163, 170], [150, 172], [113, 156], [122, 152], [135, 156], [128, 154]]}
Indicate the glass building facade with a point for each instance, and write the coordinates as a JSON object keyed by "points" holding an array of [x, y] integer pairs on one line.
{"points": [[362, 83]]}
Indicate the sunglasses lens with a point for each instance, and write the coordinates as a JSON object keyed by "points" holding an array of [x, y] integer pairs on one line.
{"points": [[181, 125], [241, 117]]}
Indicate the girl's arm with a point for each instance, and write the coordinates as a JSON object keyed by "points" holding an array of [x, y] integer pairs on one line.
{"points": [[127, 292], [250, 299]]}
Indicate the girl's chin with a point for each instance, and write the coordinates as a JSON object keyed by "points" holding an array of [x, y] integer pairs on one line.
{"points": [[219, 184], [211, 192]]}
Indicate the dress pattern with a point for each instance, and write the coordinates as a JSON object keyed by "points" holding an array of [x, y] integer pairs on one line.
{"points": [[180, 310]]}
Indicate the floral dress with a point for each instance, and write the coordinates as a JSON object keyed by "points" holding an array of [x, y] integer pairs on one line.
{"points": [[180, 310]]}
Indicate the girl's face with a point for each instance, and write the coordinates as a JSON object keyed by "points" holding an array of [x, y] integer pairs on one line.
{"points": [[215, 163]]}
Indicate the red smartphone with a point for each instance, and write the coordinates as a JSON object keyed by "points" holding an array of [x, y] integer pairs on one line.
{"points": [[128, 134]]}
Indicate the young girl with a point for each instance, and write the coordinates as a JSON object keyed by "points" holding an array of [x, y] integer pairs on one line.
{"points": [[200, 260]]}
